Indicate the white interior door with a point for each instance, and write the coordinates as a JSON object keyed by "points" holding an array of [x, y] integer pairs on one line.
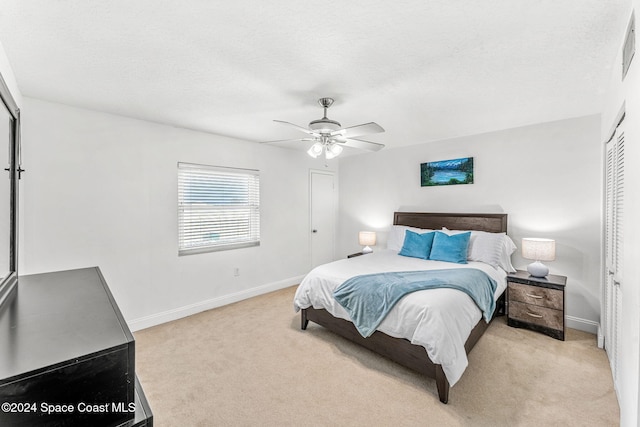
{"points": [[323, 217]]}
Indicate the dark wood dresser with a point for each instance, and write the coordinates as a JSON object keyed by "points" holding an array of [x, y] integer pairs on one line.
{"points": [[536, 303], [67, 356]]}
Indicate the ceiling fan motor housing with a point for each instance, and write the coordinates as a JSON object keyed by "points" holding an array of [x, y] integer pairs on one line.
{"points": [[324, 125]]}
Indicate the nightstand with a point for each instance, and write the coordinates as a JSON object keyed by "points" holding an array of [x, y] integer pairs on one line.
{"points": [[356, 254], [536, 303]]}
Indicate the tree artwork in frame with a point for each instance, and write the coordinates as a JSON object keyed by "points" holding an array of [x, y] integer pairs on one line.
{"points": [[447, 172]]}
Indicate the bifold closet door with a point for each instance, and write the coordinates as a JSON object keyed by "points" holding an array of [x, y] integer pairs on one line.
{"points": [[614, 223]]}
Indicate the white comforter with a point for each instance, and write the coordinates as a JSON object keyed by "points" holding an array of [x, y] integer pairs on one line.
{"points": [[440, 320]]}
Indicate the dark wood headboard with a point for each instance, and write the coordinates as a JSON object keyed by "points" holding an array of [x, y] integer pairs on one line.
{"points": [[494, 223]]}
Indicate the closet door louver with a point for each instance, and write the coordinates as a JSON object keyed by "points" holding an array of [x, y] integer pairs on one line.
{"points": [[614, 216]]}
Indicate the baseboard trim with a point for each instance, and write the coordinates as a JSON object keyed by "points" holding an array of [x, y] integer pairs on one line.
{"points": [[188, 310], [582, 324], [600, 337]]}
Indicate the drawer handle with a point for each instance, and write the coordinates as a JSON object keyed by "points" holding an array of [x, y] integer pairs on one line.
{"points": [[533, 296], [537, 316]]}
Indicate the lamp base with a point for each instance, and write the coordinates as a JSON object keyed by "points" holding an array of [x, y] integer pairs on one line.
{"points": [[367, 250], [537, 269]]}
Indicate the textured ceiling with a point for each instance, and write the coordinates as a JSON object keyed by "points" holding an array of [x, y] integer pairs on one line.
{"points": [[423, 69]]}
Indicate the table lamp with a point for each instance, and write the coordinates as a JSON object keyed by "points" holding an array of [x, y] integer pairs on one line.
{"points": [[366, 239], [538, 250]]}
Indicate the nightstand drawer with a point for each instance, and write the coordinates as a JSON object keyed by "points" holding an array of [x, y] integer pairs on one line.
{"points": [[535, 295], [536, 315]]}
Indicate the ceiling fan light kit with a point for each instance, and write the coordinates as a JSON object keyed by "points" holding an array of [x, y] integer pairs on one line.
{"points": [[333, 150], [330, 150], [329, 136], [315, 150]]}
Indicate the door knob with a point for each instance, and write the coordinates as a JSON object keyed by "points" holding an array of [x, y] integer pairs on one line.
{"points": [[314, 231]]}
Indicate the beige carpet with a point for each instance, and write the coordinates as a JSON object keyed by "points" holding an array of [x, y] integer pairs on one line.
{"points": [[249, 364]]}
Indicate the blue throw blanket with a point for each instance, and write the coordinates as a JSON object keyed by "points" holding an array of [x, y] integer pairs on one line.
{"points": [[370, 297]]}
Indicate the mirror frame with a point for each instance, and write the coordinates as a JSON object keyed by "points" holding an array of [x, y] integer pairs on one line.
{"points": [[8, 285]]}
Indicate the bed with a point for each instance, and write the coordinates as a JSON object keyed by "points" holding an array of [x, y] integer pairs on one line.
{"points": [[411, 342]]}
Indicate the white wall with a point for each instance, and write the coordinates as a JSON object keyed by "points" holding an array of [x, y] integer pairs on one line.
{"points": [[626, 95], [546, 177], [9, 77], [101, 190]]}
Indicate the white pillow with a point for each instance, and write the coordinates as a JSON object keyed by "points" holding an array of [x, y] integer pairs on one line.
{"points": [[494, 249], [508, 249], [486, 247], [395, 240]]}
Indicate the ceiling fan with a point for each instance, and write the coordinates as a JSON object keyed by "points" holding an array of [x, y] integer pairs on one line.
{"points": [[330, 137]]}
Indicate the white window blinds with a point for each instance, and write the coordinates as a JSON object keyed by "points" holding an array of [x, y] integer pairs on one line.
{"points": [[218, 208]]}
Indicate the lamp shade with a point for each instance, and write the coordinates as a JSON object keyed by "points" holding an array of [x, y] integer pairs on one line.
{"points": [[367, 238], [315, 150], [539, 249], [333, 150]]}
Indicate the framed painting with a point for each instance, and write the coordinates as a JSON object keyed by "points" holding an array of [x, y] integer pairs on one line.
{"points": [[447, 172]]}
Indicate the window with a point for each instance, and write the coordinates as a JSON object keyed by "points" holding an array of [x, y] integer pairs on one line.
{"points": [[218, 208]]}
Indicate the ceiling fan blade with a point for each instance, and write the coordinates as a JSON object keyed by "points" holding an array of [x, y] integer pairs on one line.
{"points": [[358, 130], [362, 144], [287, 140], [305, 130]]}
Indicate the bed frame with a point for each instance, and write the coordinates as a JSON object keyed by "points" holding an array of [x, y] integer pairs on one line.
{"points": [[401, 350]]}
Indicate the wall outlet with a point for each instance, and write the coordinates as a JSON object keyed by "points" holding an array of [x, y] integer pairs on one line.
{"points": [[236, 271]]}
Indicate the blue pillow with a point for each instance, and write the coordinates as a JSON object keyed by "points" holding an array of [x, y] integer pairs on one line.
{"points": [[417, 245], [450, 248]]}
